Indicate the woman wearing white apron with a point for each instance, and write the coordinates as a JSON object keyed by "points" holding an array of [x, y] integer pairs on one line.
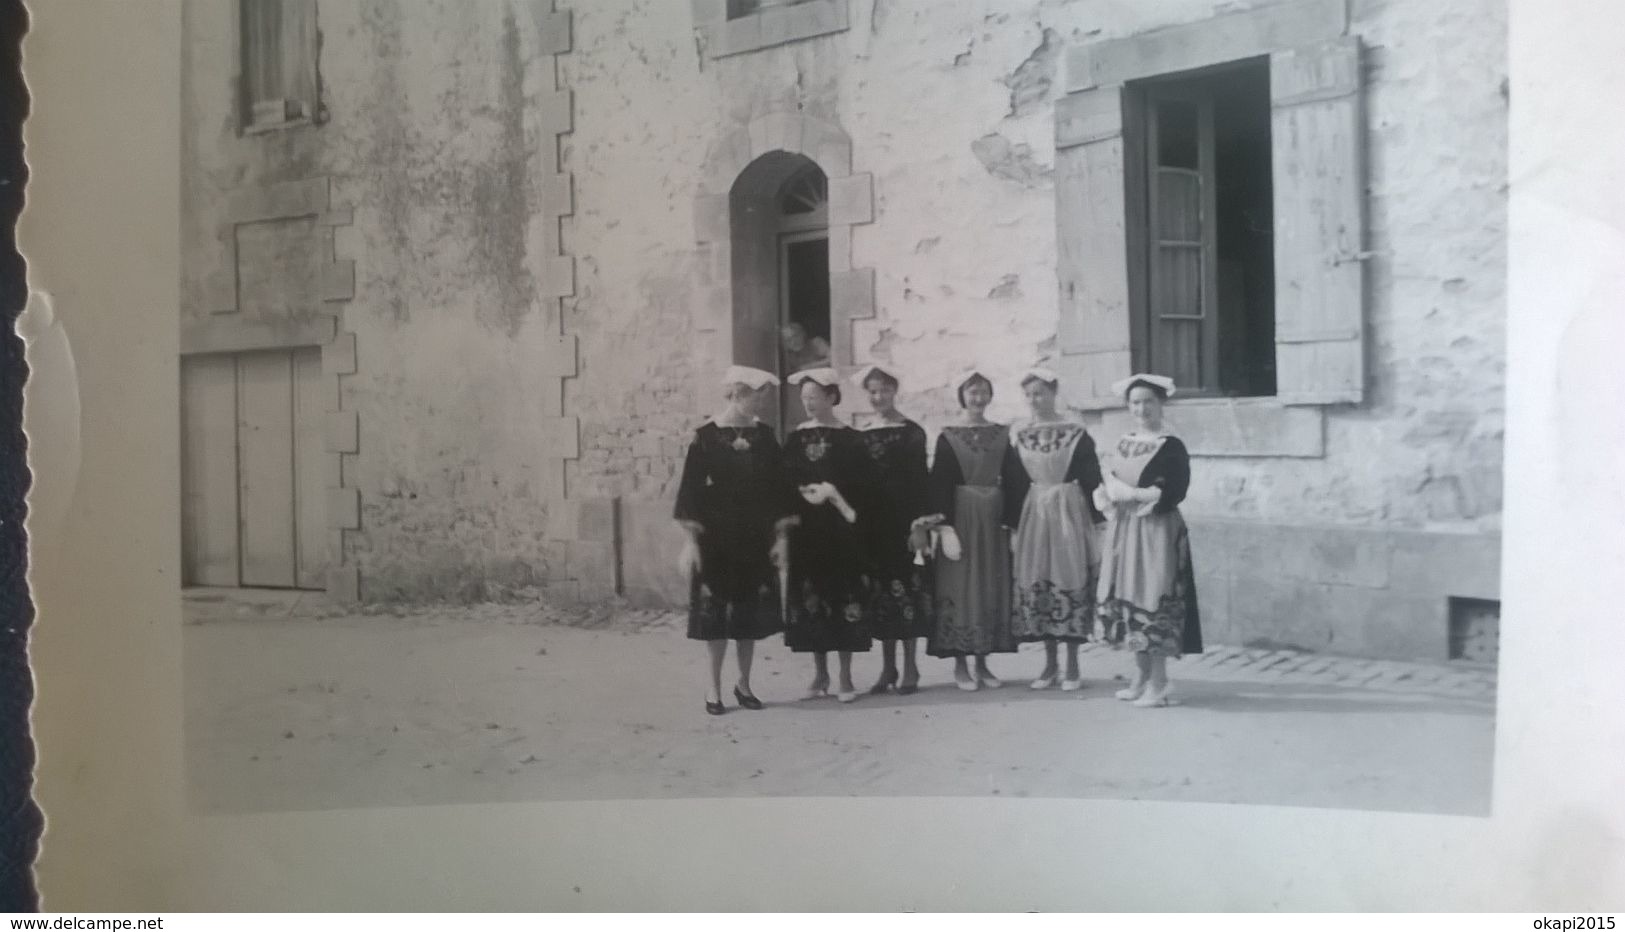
{"points": [[1147, 595], [1056, 545]]}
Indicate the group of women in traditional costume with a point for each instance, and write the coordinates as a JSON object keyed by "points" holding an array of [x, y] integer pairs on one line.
{"points": [[842, 536]]}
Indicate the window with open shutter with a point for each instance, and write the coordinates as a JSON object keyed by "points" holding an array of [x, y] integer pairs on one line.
{"points": [[1201, 267], [1093, 223], [278, 62], [1210, 211], [1319, 223]]}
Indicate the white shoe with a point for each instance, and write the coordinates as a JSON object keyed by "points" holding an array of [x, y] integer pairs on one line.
{"points": [[1132, 693], [1044, 682], [847, 695], [1071, 686], [969, 685], [989, 681], [1153, 699]]}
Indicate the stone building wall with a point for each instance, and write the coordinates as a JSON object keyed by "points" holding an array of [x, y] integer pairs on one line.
{"points": [[470, 378]]}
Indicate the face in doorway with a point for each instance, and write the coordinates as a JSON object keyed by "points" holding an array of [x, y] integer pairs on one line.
{"points": [[1040, 397], [794, 337], [882, 394], [1145, 403], [976, 395], [818, 401]]}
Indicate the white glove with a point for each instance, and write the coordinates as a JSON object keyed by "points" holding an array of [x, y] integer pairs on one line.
{"points": [[688, 559], [950, 542], [1103, 502], [1150, 497], [1118, 490]]}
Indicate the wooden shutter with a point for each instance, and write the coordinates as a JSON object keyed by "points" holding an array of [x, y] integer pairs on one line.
{"points": [[1092, 246], [298, 49], [265, 476], [1317, 134], [209, 536], [278, 66]]}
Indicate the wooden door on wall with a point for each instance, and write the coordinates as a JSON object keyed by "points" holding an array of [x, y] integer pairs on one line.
{"points": [[252, 470]]}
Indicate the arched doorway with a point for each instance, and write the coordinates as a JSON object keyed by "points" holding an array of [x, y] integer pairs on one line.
{"points": [[779, 209]]}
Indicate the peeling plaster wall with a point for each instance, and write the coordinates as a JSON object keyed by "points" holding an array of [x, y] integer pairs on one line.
{"points": [[950, 107], [432, 143], [1425, 450]]}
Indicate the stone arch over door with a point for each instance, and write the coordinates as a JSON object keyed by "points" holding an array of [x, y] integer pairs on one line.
{"points": [[749, 164]]}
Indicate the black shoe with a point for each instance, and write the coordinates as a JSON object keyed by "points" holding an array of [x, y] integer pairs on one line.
{"points": [[746, 702], [714, 708], [908, 689]]}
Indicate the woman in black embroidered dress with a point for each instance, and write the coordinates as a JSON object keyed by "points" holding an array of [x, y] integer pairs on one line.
{"points": [[733, 502], [829, 469], [899, 603], [1147, 596], [975, 481]]}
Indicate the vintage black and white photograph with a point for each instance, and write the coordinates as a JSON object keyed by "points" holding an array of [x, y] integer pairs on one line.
{"points": [[644, 399]]}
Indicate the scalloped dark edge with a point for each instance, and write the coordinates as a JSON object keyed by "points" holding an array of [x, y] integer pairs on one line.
{"points": [[21, 821]]}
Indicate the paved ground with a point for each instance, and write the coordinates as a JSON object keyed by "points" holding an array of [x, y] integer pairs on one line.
{"points": [[293, 704]]}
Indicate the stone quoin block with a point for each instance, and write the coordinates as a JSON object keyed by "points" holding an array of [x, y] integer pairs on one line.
{"points": [[562, 437], [776, 132], [828, 146], [840, 248], [563, 520], [558, 195], [338, 356], [343, 432], [344, 584], [338, 281], [558, 278], [553, 30], [556, 112], [852, 294], [344, 509], [851, 199], [560, 357]]}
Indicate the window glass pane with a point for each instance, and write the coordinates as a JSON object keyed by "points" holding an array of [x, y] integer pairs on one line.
{"points": [[1176, 281], [1177, 134], [1179, 350], [1179, 206]]}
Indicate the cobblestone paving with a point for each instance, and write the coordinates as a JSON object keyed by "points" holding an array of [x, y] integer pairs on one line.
{"points": [[1455, 680], [1221, 663]]}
